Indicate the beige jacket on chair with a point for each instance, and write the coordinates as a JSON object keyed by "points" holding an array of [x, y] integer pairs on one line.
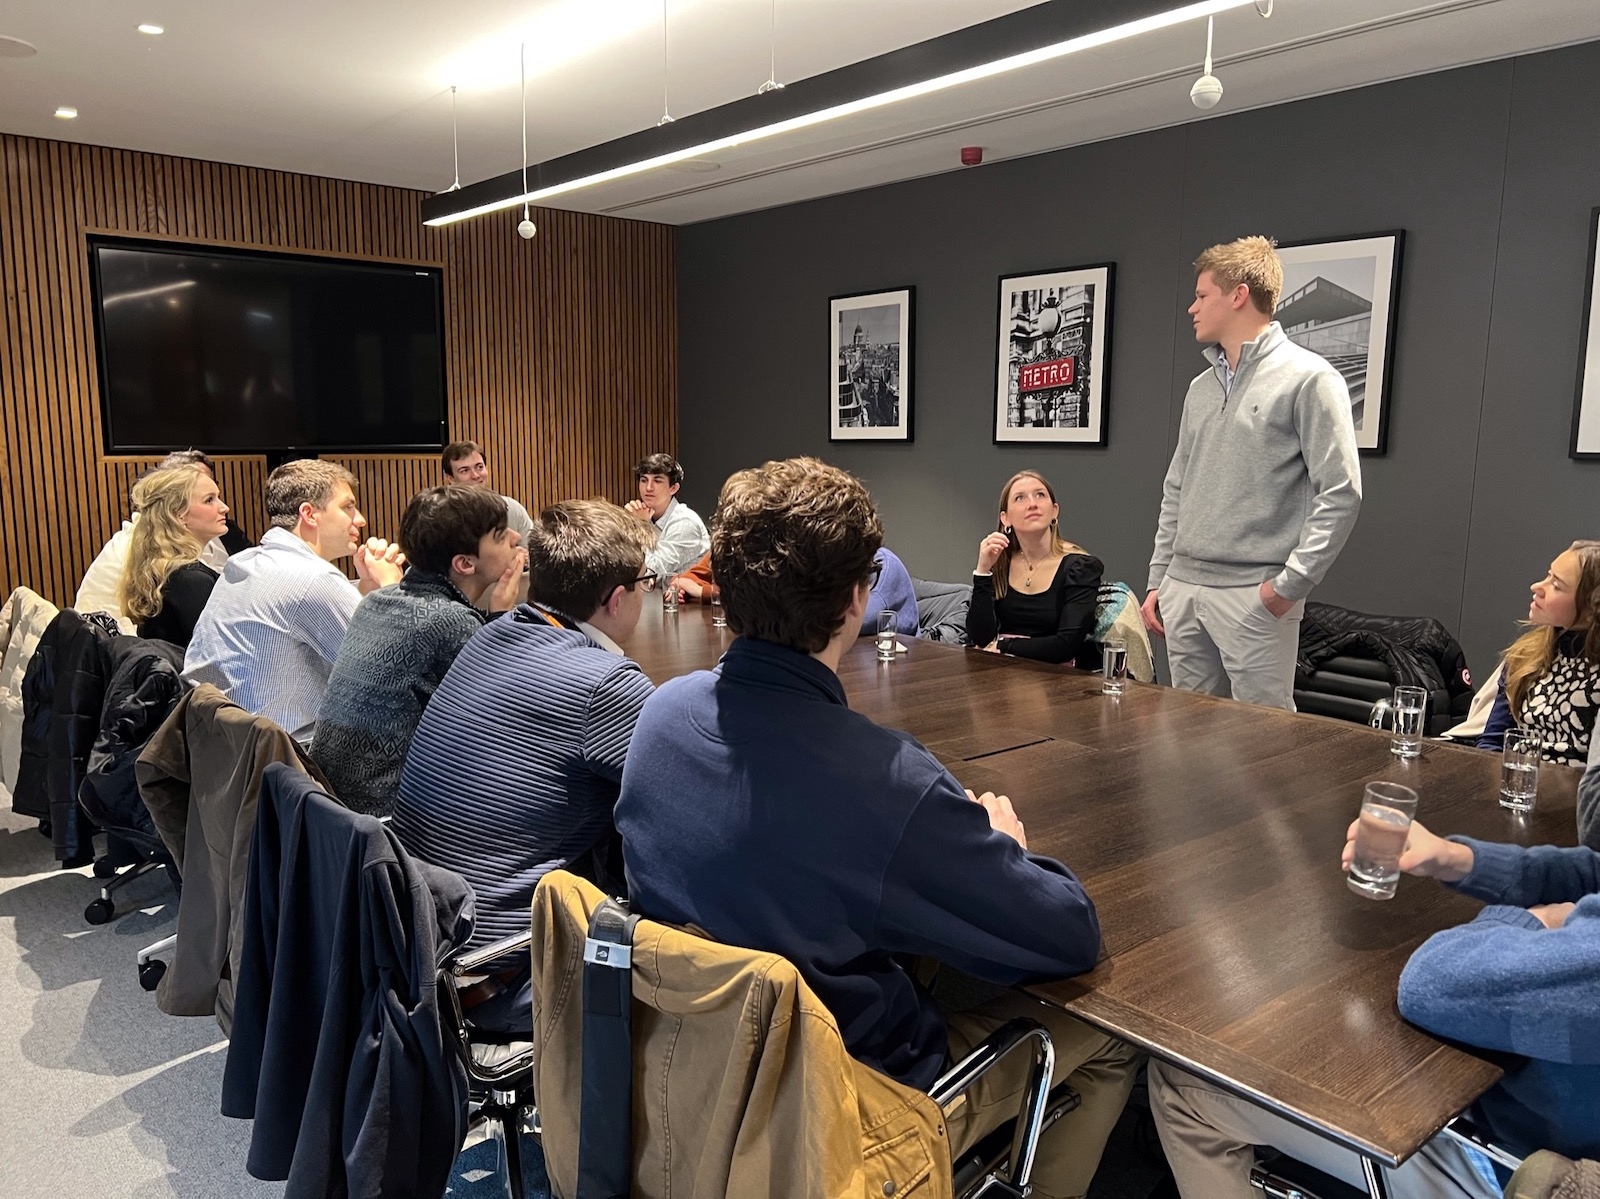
{"points": [[23, 620], [741, 1083], [200, 776]]}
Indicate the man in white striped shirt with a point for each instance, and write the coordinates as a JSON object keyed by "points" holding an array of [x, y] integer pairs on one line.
{"points": [[271, 631]]}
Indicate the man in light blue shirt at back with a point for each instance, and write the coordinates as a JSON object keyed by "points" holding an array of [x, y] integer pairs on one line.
{"points": [[271, 632]]}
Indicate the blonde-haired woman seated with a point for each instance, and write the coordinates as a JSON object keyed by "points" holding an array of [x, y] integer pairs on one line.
{"points": [[1033, 593], [166, 586], [1550, 677]]}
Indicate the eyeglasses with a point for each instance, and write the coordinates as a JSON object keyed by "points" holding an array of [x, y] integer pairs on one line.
{"points": [[645, 582], [876, 571]]}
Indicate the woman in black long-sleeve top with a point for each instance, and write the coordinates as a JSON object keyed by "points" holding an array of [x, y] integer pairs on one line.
{"points": [[1034, 595], [165, 586]]}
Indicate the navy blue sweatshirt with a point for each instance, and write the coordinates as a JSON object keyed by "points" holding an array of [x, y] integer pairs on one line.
{"points": [[1506, 982], [756, 805]]}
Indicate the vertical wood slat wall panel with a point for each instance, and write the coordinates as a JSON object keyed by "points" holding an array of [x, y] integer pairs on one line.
{"points": [[560, 353]]}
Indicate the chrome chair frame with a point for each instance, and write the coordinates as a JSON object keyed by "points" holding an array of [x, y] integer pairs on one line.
{"points": [[507, 1085]]}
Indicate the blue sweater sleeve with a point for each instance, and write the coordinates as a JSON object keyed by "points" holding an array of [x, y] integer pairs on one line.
{"points": [[1505, 982], [1510, 874], [957, 890], [1500, 720]]}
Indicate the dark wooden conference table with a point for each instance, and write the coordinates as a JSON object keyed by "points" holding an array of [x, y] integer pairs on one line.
{"points": [[1208, 833]]}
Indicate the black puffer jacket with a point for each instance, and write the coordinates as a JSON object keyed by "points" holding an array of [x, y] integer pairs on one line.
{"points": [[1418, 650], [62, 695], [146, 683]]}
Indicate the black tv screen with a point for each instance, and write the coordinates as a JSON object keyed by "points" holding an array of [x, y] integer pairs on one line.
{"points": [[245, 352]]}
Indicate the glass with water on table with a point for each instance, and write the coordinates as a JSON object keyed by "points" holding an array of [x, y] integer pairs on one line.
{"points": [[1113, 666], [1519, 770], [1387, 810], [669, 595], [719, 618], [1407, 713], [886, 642]]}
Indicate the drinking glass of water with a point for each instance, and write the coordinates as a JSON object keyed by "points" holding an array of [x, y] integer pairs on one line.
{"points": [[669, 598], [886, 643], [1387, 810], [719, 618], [1519, 771], [1113, 666], [1407, 712]]}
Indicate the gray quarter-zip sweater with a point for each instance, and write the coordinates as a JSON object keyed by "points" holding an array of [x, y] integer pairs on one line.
{"points": [[1265, 483]]}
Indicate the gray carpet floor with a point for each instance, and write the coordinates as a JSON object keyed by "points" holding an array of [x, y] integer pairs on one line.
{"points": [[100, 1093]]}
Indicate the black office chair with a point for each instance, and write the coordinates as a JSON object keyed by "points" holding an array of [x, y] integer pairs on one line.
{"points": [[145, 685], [499, 1071]]}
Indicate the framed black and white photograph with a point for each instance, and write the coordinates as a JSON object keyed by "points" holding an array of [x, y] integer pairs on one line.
{"points": [[1339, 300], [1053, 366], [1586, 406], [872, 366]]}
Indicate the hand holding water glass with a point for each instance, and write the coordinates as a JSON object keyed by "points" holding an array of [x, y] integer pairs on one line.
{"points": [[1519, 770], [1113, 666], [1387, 810]]}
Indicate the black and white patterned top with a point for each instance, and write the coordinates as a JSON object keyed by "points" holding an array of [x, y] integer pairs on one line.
{"points": [[1559, 708]]}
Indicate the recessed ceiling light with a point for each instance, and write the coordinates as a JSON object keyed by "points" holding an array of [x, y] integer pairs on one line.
{"points": [[152, 30], [15, 47], [67, 113]]}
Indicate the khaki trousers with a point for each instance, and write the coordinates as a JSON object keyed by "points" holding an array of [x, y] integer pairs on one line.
{"points": [[1223, 641], [1095, 1064], [1208, 1136]]}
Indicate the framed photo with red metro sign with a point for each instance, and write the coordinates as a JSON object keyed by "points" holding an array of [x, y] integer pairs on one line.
{"points": [[1054, 365]]}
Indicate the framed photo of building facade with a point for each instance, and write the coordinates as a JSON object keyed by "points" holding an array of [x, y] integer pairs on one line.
{"points": [[1586, 405], [871, 352], [1053, 360], [1339, 299]]}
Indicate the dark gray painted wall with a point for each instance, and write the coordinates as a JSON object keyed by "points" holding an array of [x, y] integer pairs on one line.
{"points": [[1492, 172]]}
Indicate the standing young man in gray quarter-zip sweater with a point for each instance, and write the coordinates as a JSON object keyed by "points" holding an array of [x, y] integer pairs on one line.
{"points": [[1262, 492]]}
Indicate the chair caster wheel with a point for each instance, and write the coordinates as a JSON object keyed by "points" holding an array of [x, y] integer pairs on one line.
{"points": [[100, 911], [150, 973], [105, 868]]}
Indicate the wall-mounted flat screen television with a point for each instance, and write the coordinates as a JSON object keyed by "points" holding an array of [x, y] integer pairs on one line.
{"points": [[248, 352]]}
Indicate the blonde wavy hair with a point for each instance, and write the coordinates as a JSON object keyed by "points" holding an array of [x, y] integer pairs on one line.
{"points": [[1531, 654], [160, 542]]}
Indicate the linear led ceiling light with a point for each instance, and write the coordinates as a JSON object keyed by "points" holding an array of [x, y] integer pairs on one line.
{"points": [[1007, 43]]}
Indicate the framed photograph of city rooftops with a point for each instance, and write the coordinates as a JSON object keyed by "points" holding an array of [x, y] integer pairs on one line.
{"points": [[1339, 299], [871, 372], [1053, 366], [1586, 407]]}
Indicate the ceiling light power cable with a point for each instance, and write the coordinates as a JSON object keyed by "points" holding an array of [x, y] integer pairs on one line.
{"points": [[525, 227]]}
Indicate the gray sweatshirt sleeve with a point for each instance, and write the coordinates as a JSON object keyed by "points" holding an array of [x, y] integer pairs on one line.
{"points": [[1171, 489], [1328, 445], [1589, 798]]}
